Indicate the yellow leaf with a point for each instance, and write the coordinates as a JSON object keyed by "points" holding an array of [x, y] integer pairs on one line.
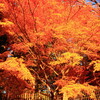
{"points": [[96, 65], [73, 90], [18, 68], [6, 23], [69, 58]]}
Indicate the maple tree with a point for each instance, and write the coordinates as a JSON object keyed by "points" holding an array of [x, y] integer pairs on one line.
{"points": [[58, 42], [15, 78]]}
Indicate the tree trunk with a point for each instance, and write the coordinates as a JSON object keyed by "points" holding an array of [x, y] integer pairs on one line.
{"points": [[52, 95]]}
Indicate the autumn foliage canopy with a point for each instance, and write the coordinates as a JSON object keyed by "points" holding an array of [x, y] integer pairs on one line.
{"points": [[52, 42]]}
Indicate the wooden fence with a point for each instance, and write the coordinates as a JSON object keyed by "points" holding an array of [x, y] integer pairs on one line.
{"points": [[45, 96]]}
